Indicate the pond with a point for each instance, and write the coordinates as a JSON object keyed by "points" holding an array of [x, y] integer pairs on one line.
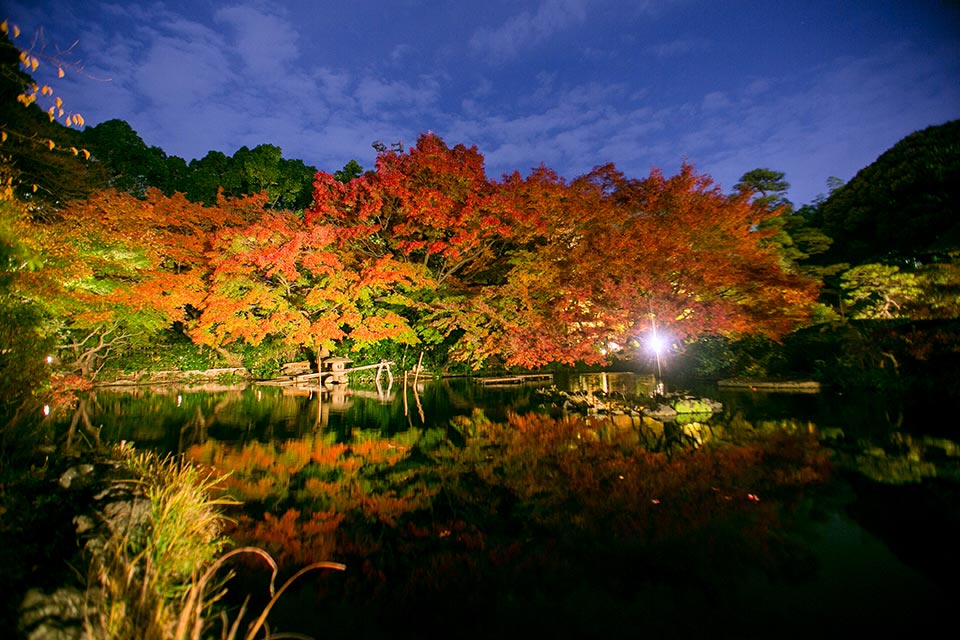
{"points": [[472, 509]]}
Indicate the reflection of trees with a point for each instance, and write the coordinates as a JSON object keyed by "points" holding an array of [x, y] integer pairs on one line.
{"points": [[503, 502], [81, 419]]}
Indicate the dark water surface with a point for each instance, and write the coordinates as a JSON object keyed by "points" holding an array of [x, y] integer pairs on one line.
{"points": [[878, 547]]}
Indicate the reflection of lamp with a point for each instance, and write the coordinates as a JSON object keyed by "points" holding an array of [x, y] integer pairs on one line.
{"points": [[656, 343]]}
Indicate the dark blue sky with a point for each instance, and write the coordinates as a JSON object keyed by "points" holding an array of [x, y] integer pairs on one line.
{"points": [[813, 88]]}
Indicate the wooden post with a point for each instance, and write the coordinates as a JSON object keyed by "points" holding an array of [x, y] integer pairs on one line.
{"points": [[416, 374]]}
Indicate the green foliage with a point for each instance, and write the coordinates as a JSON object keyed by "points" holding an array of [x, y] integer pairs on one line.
{"points": [[131, 165], [24, 347], [350, 171], [25, 336], [879, 291], [265, 359], [710, 357], [904, 204], [168, 350], [288, 183], [768, 186], [720, 357], [939, 282]]}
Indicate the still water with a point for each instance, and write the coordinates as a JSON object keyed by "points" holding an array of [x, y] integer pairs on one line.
{"points": [[875, 548]]}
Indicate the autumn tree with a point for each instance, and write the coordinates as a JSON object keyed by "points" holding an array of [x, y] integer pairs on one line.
{"points": [[536, 270], [127, 268], [280, 280], [620, 254]]}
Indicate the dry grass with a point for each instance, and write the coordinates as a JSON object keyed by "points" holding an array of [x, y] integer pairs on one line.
{"points": [[163, 579]]}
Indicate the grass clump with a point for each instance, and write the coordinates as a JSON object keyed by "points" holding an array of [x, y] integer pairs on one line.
{"points": [[158, 546], [158, 575]]}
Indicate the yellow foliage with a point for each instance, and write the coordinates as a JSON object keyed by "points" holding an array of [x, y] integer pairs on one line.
{"points": [[5, 29]]}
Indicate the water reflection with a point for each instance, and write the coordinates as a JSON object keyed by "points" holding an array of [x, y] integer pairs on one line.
{"points": [[412, 461], [873, 432]]}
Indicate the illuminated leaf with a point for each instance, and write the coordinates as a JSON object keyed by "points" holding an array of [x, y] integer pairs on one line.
{"points": [[60, 73]]}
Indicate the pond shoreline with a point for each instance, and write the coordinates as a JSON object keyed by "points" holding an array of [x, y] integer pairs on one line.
{"points": [[767, 384]]}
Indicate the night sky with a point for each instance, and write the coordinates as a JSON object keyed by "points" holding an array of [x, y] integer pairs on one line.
{"points": [[813, 88]]}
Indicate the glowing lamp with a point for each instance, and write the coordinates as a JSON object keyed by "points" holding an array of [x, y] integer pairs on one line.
{"points": [[656, 343]]}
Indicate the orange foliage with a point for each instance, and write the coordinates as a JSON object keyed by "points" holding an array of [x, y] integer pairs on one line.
{"points": [[538, 270], [290, 539]]}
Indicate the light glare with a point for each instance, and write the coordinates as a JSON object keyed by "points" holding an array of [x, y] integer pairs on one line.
{"points": [[656, 344]]}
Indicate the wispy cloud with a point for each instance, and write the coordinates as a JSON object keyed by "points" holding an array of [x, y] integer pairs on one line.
{"points": [[679, 46], [267, 43], [190, 78], [527, 29]]}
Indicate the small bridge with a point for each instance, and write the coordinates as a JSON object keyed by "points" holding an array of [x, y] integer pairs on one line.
{"points": [[332, 371]]}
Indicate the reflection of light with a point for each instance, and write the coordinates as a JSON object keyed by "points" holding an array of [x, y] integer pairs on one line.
{"points": [[49, 359], [46, 409], [179, 400]]}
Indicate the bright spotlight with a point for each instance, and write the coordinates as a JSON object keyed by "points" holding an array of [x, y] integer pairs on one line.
{"points": [[656, 343]]}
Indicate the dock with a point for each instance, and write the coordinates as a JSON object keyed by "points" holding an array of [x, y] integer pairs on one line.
{"points": [[517, 379]]}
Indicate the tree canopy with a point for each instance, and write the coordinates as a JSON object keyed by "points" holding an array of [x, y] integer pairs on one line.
{"points": [[904, 205]]}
